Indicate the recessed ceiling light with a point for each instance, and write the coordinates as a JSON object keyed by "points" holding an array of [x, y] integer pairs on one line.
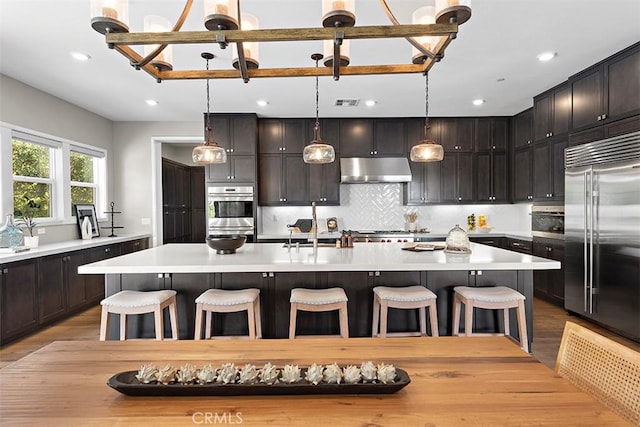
{"points": [[79, 56], [262, 103], [370, 103], [478, 101], [547, 56], [500, 79], [151, 102]]}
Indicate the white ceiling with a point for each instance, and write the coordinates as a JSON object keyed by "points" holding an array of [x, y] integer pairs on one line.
{"points": [[501, 40]]}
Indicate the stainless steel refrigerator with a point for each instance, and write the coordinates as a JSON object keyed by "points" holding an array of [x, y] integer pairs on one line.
{"points": [[602, 233]]}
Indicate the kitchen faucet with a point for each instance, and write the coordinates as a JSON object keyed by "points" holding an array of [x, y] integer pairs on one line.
{"points": [[314, 225]]}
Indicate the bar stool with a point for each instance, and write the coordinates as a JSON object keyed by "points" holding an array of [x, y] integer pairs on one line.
{"points": [[410, 297], [319, 300], [226, 301], [140, 302], [493, 298]]}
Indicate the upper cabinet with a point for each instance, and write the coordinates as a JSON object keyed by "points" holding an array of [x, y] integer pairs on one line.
{"points": [[522, 157], [455, 134], [283, 136], [389, 137], [492, 133], [356, 138], [551, 111], [522, 129], [607, 91], [237, 133]]}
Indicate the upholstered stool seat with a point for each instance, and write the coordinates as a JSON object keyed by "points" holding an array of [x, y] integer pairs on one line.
{"points": [[319, 300], [409, 297], [228, 301], [493, 298], [140, 302]]}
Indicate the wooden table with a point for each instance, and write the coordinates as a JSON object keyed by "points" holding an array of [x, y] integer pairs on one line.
{"points": [[454, 381]]}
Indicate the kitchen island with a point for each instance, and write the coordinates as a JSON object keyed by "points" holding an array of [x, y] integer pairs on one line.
{"points": [[191, 269]]}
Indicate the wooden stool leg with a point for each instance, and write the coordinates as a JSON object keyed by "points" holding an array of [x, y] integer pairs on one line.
{"points": [[384, 311], [173, 318], [375, 323], [423, 321], [292, 320], [198, 329], [505, 315], [104, 323], [344, 321], [207, 325], [159, 321], [433, 318], [522, 327], [256, 310], [251, 322], [123, 326], [468, 318], [456, 315]]}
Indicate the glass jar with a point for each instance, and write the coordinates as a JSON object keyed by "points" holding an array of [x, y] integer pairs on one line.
{"points": [[10, 235], [457, 241]]}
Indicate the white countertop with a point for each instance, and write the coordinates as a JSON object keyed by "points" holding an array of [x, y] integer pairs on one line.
{"points": [[68, 246], [272, 257], [523, 235]]}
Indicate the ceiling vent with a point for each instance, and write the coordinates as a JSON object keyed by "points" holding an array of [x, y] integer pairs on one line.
{"points": [[346, 102]]}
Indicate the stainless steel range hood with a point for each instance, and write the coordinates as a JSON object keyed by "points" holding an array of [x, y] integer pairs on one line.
{"points": [[362, 170]]}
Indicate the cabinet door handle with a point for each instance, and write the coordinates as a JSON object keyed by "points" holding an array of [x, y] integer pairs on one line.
{"points": [[459, 198], [604, 116], [284, 200], [371, 152], [599, 118], [231, 150], [5, 271], [529, 142], [375, 152], [493, 148], [284, 148]]}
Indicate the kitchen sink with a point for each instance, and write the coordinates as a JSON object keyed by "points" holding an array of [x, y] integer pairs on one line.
{"points": [[309, 245]]}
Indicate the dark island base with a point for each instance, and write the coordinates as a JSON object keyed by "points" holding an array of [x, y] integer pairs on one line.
{"points": [[275, 289]]}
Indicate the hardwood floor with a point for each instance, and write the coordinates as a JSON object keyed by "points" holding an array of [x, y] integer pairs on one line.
{"points": [[548, 326]]}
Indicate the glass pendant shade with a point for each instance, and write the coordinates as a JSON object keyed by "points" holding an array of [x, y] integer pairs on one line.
{"points": [[338, 13], [423, 16], [209, 152], [251, 49], [158, 24], [221, 14], [110, 16], [327, 50], [426, 151], [318, 152]]}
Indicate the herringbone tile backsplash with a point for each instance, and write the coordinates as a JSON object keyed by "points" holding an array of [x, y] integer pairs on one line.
{"points": [[379, 207]]}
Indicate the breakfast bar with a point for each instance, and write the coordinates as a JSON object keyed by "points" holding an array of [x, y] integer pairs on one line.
{"points": [[191, 269]]}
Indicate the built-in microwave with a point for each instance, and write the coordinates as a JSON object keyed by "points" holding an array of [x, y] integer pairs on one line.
{"points": [[230, 210], [547, 221]]}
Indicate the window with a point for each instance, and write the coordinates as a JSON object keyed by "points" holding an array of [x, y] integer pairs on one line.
{"points": [[32, 176], [52, 173]]}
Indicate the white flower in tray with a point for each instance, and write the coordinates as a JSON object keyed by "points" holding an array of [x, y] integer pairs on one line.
{"points": [[269, 374], [228, 374], [186, 374], [314, 374], [291, 374], [248, 374], [332, 374], [368, 371], [147, 374], [207, 374], [351, 374], [166, 374], [386, 373]]}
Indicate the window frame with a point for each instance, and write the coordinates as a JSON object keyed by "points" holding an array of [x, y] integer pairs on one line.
{"points": [[51, 181]]}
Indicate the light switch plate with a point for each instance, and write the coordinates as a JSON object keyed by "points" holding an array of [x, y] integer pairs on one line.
{"points": [[42, 231]]}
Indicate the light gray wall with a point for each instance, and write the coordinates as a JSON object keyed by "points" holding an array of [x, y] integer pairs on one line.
{"points": [[26, 107], [178, 154]]}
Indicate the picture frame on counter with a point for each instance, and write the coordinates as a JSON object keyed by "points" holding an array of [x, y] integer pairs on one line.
{"points": [[87, 210]]}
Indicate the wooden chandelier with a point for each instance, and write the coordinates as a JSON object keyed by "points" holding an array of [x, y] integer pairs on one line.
{"points": [[445, 27]]}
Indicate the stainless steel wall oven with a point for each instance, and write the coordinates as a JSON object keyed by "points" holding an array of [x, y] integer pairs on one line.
{"points": [[547, 221], [230, 210]]}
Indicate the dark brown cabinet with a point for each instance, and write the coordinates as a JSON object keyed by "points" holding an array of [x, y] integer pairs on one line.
{"points": [[238, 134], [549, 284], [607, 91], [609, 130], [183, 201], [238, 169], [18, 299], [454, 134], [284, 180], [198, 206], [551, 111], [51, 288], [492, 134], [389, 137], [424, 187], [522, 129], [522, 173], [456, 178], [281, 136], [356, 138], [548, 167], [492, 177], [324, 183]]}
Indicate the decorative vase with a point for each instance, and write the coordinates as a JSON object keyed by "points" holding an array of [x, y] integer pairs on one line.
{"points": [[10, 235], [412, 227], [31, 241], [85, 227]]}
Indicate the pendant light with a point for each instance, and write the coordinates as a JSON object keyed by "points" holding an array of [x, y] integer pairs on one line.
{"points": [[209, 152], [318, 151], [426, 150]]}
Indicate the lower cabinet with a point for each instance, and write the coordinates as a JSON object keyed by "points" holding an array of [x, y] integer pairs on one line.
{"points": [[39, 291], [549, 284]]}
